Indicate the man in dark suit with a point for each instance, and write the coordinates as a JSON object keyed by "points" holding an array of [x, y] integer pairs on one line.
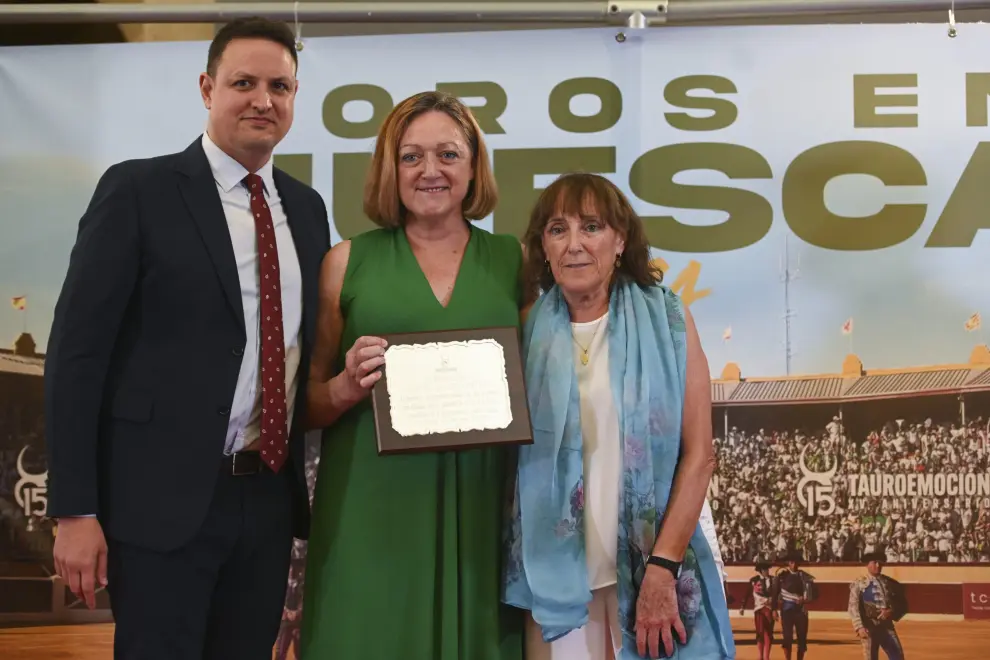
{"points": [[176, 373]]}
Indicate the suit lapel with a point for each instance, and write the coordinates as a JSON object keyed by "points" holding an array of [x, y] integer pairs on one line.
{"points": [[200, 195], [299, 215]]}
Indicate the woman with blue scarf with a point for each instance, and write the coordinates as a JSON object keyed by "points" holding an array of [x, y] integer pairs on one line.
{"points": [[605, 548]]}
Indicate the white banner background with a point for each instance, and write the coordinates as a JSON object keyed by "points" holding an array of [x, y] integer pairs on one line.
{"points": [[69, 112]]}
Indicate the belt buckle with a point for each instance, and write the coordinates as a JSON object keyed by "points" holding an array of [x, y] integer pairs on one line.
{"points": [[244, 466]]}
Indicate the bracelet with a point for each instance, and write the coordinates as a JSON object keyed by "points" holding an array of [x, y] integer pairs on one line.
{"points": [[673, 566]]}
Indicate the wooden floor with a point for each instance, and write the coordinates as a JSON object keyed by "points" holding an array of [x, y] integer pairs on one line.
{"points": [[829, 640]]}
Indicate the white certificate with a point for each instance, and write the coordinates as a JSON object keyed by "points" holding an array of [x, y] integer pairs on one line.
{"points": [[444, 387]]}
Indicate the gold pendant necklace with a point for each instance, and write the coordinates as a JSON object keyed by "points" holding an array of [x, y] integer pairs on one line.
{"points": [[584, 351]]}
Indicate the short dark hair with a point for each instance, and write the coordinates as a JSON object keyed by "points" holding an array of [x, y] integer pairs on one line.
{"points": [[252, 27]]}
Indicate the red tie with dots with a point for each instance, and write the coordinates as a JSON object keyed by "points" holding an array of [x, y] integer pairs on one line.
{"points": [[274, 424]]}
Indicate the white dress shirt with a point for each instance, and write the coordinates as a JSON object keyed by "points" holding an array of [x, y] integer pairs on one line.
{"points": [[243, 428]]}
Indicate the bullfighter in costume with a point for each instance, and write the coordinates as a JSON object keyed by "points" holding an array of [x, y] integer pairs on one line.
{"points": [[764, 608], [876, 601], [795, 589]]}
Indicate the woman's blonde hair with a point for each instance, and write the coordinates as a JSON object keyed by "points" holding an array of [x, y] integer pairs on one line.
{"points": [[381, 192]]}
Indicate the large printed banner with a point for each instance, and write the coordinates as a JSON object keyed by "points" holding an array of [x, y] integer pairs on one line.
{"points": [[816, 194]]}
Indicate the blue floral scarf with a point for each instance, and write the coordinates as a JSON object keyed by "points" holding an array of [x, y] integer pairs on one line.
{"points": [[545, 569]]}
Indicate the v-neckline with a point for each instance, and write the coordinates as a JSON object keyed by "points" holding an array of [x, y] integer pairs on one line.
{"points": [[422, 274]]}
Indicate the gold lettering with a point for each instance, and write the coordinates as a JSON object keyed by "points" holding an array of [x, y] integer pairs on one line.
{"points": [[964, 214], [607, 92], [750, 215], [333, 110], [723, 111], [803, 195], [487, 114], [977, 90], [866, 100], [515, 170], [349, 172], [685, 282], [298, 166]]}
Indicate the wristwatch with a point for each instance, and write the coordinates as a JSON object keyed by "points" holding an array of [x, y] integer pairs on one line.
{"points": [[673, 566]]}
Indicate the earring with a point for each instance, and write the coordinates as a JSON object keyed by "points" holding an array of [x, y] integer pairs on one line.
{"points": [[618, 260]]}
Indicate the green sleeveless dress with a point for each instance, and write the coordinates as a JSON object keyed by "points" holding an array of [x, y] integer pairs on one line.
{"points": [[404, 556]]}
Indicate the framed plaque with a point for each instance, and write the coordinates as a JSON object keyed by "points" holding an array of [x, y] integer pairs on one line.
{"points": [[451, 390]]}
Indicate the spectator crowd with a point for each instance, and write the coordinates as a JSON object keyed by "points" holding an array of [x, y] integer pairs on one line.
{"points": [[758, 513]]}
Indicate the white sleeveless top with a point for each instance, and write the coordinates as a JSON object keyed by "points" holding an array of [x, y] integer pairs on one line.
{"points": [[603, 457]]}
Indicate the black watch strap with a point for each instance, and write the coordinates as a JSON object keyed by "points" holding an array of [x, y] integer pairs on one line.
{"points": [[673, 566]]}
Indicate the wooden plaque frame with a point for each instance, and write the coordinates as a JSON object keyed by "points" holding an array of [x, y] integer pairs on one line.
{"points": [[519, 431]]}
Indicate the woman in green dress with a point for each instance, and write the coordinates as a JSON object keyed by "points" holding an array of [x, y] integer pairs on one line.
{"points": [[403, 561]]}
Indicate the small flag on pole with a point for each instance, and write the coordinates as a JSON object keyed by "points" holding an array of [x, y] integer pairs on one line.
{"points": [[973, 322], [727, 334], [847, 327], [19, 303]]}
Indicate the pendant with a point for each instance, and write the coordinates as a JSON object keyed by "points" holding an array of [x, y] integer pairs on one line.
{"points": [[584, 358]]}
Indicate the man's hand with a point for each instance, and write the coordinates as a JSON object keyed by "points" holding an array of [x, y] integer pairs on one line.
{"points": [[81, 556], [885, 614], [862, 633]]}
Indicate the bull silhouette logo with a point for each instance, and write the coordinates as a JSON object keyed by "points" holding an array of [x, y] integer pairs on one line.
{"points": [[31, 490], [815, 488]]}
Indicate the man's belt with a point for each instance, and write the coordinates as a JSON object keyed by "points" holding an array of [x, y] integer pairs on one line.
{"points": [[243, 463]]}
